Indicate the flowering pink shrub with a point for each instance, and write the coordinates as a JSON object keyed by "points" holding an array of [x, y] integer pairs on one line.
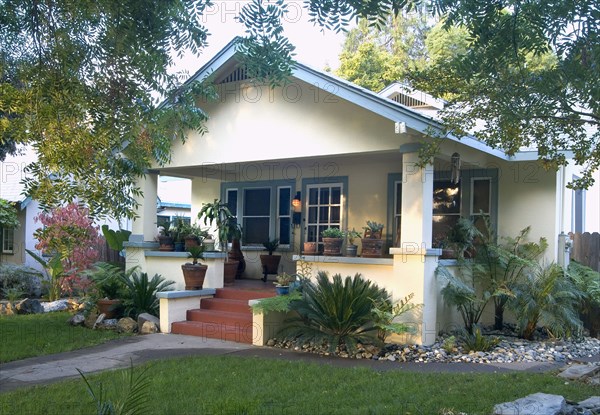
{"points": [[69, 231]]}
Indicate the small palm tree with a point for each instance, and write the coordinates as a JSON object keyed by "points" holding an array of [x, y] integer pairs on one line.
{"points": [[547, 298]]}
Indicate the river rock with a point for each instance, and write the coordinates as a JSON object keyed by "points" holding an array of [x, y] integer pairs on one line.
{"points": [[149, 327], [58, 305], [29, 306], [77, 320], [535, 404], [127, 325], [142, 318]]}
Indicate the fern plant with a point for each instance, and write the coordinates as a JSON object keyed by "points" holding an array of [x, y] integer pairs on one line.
{"points": [[547, 298], [477, 342], [385, 313], [338, 312]]}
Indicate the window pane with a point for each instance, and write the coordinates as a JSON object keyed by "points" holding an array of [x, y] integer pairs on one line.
{"points": [[256, 230], [481, 196], [323, 214], [336, 195], [335, 214], [232, 196], [398, 207], [321, 229], [284, 231], [324, 197], [311, 234], [312, 215], [398, 224], [313, 196], [441, 227], [257, 202], [161, 220], [446, 197], [285, 201]]}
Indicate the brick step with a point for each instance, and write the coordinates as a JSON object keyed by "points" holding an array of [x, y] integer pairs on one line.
{"points": [[225, 304], [246, 295], [219, 317], [236, 333]]}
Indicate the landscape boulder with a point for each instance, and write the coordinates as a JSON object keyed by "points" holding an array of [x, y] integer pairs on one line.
{"points": [[535, 404], [142, 318], [127, 325], [77, 320], [29, 306], [149, 327]]}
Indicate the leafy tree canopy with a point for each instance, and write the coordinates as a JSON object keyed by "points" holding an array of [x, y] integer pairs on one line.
{"points": [[8, 215]]}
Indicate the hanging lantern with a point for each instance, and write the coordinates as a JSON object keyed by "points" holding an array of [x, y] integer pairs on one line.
{"points": [[455, 168]]}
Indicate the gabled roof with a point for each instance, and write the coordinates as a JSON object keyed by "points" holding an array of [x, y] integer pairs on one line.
{"points": [[225, 59]]}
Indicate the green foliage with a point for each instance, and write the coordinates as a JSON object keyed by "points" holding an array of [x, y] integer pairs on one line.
{"points": [[477, 342], [116, 238], [133, 394], [218, 214], [385, 313], [527, 74], [336, 311], [108, 279], [271, 245], [351, 235], [13, 294], [8, 215], [332, 233], [373, 226], [462, 235], [140, 293], [284, 279], [449, 344], [196, 253], [547, 298], [588, 282], [279, 303], [19, 277], [77, 83], [54, 273]]}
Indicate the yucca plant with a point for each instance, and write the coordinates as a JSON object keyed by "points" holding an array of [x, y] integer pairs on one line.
{"points": [[140, 293], [335, 311], [547, 298]]}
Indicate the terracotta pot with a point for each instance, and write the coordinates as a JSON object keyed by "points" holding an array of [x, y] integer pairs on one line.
{"points": [[372, 248], [229, 270], [310, 248], [194, 275], [165, 243], [236, 255], [270, 263], [110, 308], [332, 246]]}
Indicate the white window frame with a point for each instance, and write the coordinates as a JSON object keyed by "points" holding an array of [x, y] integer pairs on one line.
{"points": [[489, 180], [307, 207], [8, 240]]}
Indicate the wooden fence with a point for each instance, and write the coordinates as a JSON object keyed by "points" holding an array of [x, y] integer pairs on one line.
{"points": [[586, 249], [109, 255]]}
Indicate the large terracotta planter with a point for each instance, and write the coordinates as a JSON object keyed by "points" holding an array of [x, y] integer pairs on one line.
{"points": [[332, 246], [194, 275], [270, 263], [229, 271], [372, 248], [110, 308], [165, 243], [236, 255]]}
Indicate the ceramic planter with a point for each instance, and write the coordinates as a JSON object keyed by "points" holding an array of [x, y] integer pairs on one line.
{"points": [[194, 275], [282, 289]]}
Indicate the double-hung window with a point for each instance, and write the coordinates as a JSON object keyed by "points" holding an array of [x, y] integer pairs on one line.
{"points": [[7, 237], [263, 209]]}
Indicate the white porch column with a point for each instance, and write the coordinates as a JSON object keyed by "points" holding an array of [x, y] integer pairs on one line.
{"points": [[144, 226], [414, 261]]}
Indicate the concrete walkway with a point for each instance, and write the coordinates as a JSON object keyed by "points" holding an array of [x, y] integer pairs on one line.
{"points": [[138, 349]]}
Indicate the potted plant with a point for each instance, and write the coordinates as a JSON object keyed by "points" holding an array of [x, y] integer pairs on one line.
{"points": [[194, 272], [195, 236], [372, 242], [333, 238], [270, 262], [351, 248], [218, 213], [310, 248], [109, 288], [282, 283], [165, 238], [459, 240], [179, 230]]}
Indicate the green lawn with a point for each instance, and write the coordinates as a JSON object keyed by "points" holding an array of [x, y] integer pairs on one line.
{"points": [[235, 385], [25, 336]]}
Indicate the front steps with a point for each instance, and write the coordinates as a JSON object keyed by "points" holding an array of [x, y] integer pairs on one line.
{"points": [[227, 316]]}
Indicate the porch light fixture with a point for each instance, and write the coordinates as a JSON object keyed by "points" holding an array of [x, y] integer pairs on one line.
{"points": [[297, 207], [455, 168]]}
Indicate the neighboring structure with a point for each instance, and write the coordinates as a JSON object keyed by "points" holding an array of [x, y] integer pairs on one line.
{"points": [[174, 200]]}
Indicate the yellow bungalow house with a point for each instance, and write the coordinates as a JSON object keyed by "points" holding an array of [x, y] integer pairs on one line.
{"points": [[351, 154]]}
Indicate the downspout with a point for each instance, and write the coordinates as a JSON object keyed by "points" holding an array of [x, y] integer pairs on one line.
{"points": [[564, 241]]}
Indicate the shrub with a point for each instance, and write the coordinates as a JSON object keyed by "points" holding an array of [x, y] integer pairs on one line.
{"points": [[140, 292], [547, 298], [588, 282], [477, 342], [385, 313], [21, 278], [69, 232], [336, 311]]}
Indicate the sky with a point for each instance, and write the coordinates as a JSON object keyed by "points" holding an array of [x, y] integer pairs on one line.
{"points": [[313, 47]]}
